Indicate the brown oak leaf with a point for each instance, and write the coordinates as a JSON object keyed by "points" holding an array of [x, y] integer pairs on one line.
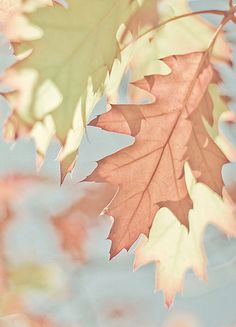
{"points": [[168, 132]]}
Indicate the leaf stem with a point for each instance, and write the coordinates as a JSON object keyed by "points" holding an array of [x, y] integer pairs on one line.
{"points": [[208, 52], [200, 12], [217, 32], [189, 14], [228, 17]]}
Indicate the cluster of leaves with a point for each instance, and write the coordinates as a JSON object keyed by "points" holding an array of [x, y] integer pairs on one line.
{"points": [[169, 180]]}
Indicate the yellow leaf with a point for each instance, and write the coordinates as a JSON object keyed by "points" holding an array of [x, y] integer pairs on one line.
{"points": [[69, 65], [175, 249], [76, 56], [177, 37]]}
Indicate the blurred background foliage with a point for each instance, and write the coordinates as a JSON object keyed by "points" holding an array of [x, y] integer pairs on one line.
{"points": [[54, 258]]}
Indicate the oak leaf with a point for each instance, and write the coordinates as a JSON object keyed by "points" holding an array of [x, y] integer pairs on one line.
{"points": [[72, 55], [174, 249], [189, 34], [150, 173], [42, 113], [13, 23], [184, 39]]}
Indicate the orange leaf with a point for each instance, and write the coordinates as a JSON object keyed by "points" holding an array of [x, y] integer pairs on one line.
{"points": [[150, 173]]}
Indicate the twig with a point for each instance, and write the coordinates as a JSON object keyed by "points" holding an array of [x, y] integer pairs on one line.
{"points": [[200, 12]]}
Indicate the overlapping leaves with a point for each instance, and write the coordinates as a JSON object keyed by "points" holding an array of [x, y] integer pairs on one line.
{"points": [[61, 80], [64, 71], [175, 250], [58, 83], [168, 132]]}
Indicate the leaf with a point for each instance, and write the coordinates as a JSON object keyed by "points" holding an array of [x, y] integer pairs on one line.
{"points": [[42, 112], [68, 68], [13, 23], [9, 13], [181, 36], [146, 16], [190, 34], [72, 225], [174, 249], [150, 173]]}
